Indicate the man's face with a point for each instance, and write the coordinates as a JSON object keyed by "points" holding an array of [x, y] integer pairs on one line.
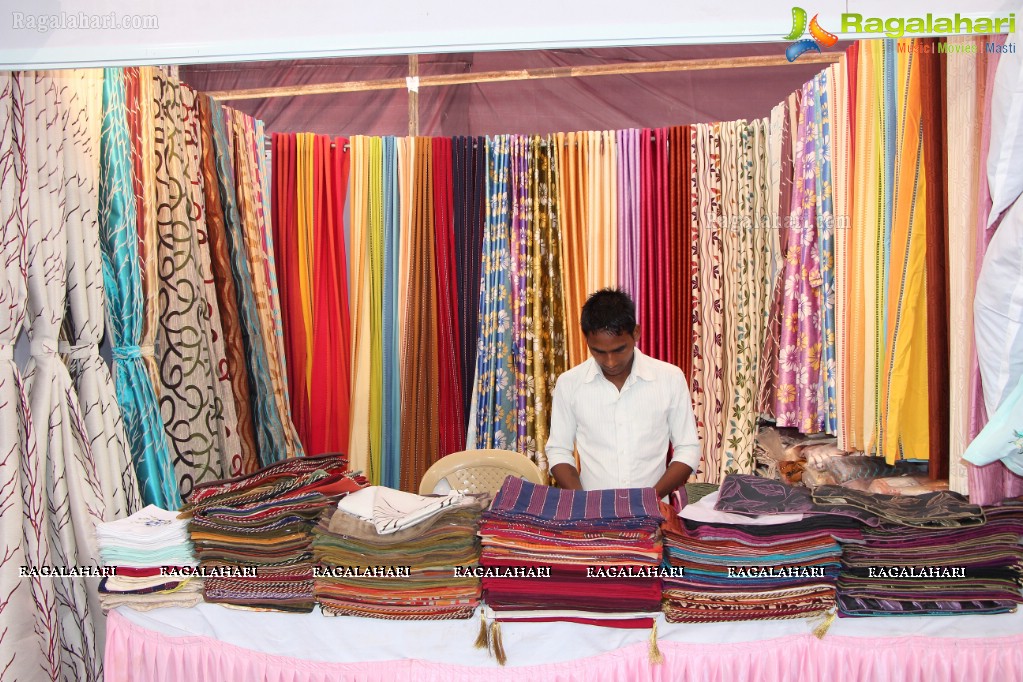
{"points": [[613, 352]]}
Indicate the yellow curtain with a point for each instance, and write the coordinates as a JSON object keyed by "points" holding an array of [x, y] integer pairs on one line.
{"points": [[904, 394], [358, 301]]}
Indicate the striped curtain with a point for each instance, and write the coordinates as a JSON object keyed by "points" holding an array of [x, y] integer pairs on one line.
{"points": [[420, 437]]}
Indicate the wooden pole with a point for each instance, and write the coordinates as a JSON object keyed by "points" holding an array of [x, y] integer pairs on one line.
{"points": [[413, 95], [525, 74]]}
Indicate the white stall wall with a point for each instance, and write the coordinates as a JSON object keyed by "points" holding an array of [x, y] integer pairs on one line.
{"points": [[39, 33]]}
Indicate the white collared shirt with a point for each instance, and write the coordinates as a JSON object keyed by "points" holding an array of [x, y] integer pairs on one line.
{"points": [[622, 437]]}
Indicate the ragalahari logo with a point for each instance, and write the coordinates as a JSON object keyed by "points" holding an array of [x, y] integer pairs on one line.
{"points": [[821, 38]]}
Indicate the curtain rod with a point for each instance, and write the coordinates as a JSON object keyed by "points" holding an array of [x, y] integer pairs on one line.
{"points": [[526, 74]]}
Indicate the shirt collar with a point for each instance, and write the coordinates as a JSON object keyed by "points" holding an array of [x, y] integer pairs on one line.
{"points": [[641, 369]]}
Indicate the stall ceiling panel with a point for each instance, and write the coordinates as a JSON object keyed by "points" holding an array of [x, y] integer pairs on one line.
{"points": [[51, 34]]}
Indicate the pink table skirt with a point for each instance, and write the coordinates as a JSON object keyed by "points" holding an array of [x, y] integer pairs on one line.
{"points": [[134, 653]]}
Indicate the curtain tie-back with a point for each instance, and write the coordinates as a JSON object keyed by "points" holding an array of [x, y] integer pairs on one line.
{"points": [[78, 351], [6, 351], [41, 347], [132, 352]]}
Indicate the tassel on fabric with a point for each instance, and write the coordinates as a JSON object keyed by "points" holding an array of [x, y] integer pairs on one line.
{"points": [[483, 637], [822, 627], [655, 655], [496, 645]]}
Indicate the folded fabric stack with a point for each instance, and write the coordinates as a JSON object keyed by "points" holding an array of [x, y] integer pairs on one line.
{"points": [[153, 558], [934, 554], [385, 553], [739, 567], [601, 549], [253, 535]]}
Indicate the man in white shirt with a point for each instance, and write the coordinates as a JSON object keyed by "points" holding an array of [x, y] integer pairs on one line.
{"points": [[620, 409]]}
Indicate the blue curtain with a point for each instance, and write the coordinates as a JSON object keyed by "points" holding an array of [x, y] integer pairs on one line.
{"points": [[496, 414], [391, 338], [122, 281]]}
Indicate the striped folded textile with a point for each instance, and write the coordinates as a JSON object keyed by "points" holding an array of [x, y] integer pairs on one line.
{"points": [[592, 554], [254, 534]]}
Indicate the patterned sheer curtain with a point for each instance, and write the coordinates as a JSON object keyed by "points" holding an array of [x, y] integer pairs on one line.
{"points": [[83, 326], [122, 279], [190, 403], [28, 610], [53, 113]]}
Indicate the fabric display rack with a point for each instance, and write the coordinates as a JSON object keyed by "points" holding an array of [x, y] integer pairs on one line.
{"points": [[213, 314]]}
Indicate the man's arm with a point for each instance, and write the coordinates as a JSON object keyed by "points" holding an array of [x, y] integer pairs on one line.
{"points": [[567, 477], [674, 478], [561, 441], [685, 441]]}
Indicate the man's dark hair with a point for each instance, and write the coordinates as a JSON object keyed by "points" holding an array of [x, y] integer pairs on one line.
{"points": [[609, 310]]}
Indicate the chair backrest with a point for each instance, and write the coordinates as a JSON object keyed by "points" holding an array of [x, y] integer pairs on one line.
{"points": [[479, 471]]}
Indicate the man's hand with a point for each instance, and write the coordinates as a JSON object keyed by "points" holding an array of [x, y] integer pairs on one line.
{"points": [[567, 477], [674, 478]]}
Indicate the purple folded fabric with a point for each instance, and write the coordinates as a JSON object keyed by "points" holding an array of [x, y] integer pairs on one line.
{"points": [[756, 496]]}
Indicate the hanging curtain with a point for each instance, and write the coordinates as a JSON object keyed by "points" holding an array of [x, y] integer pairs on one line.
{"points": [[904, 429], [54, 131], [696, 320], [679, 228], [994, 482], [375, 256], [420, 438], [708, 360], [734, 313], [83, 324], [865, 251], [452, 419], [122, 278], [628, 181], [359, 302], [267, 419], [572, 199], [549, 354], [469, 175], [226, 296], [656, 283], [495, 367], [781, 197], [141, 105], [962, 104], [521, 275], [189, 400], [798, 381], [600, 165], [329, 386], [390, 468], [257, 244], [745, 184], [227, 424], [28, 616], [286, 199], [840, 162], [821, 130], [932, 93]]}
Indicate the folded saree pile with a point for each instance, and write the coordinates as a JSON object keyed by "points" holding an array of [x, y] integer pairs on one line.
{"points": [[739, 567], [903, 570], [587, 556], [253, 535], [385, 553], [153, 559]]}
